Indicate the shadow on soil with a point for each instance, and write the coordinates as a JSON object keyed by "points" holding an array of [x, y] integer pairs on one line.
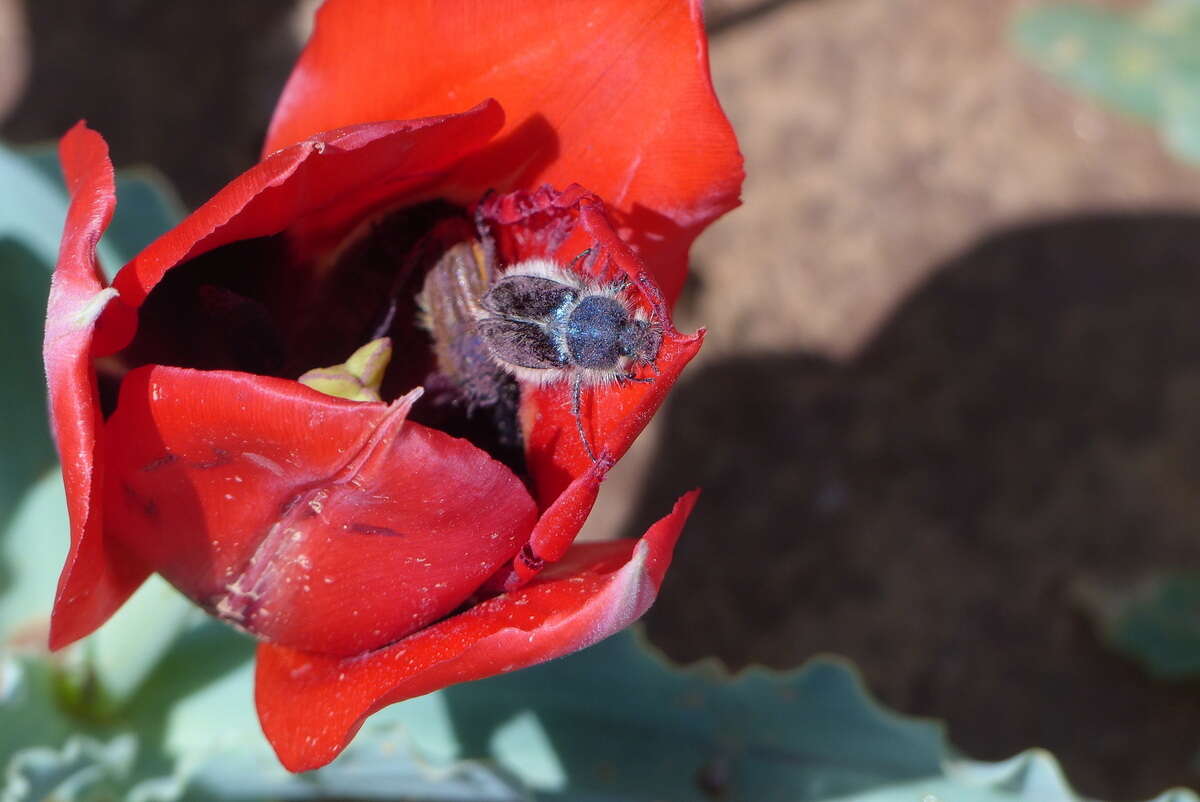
{"points": [[1030, 418]]}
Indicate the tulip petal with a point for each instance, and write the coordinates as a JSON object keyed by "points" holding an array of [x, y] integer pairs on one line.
{"points": [[559, 225], [309, 520], [318, 189], [617, 97], [310, 705], [614, 414], [97, 576], [559, 525]]}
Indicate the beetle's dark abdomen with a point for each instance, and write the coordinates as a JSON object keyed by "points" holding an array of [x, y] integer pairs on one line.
{"points": [[519, 343], [527, 297], [593, 332], [447, 301]]}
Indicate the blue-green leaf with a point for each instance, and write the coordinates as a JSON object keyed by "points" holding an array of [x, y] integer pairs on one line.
{"points": [[24, 283], [618, 723], [32, 546], [759, 735], [147, 206], [83, 769], [33, 206], [614, 722], [1156, 621], [1145, 63], [30, 715]]}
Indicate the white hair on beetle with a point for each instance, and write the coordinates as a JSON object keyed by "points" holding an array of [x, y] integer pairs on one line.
{"points": [[583, 285], [511, 330]]}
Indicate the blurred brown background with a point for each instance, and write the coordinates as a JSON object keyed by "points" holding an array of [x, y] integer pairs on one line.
{"points": [[954, 366]]}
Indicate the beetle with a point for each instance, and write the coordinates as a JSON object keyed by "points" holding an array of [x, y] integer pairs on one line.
{"points": [[545, 324]]}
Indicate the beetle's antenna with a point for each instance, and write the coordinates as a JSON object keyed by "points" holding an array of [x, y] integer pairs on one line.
{"points": [[581, 255], [481, 224], [576, 393], [385, 324]]}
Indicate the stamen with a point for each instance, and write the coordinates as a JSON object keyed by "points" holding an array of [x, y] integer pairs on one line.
{"points": [[356, 379]]}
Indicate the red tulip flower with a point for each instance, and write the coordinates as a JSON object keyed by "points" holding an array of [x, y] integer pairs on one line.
{"points": [[383, 547]]}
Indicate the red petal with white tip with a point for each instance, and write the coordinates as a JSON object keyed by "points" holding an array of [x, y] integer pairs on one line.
{"points": [[311, 705], [97, 576]]}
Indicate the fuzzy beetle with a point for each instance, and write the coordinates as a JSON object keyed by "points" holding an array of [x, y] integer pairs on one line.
{"points": [[544, 323]]}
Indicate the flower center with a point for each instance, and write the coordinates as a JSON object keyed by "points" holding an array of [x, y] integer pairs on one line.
{"points": [[411, 276]]}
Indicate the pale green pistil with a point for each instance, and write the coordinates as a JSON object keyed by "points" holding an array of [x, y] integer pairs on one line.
{"points": [[356, 379]]}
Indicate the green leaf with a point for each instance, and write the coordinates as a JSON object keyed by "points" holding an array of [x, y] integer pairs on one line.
{"points": [[129, 646], [1034, 776], [1145, 63], [1156, 621], [29, 695], [614, 722], [32, 210], [212, 738], [147, 206], [83, 769], [623, 724], [32, 547], [24, 283], [198, 739], [617, 722], [32, 206], [117, 658]]}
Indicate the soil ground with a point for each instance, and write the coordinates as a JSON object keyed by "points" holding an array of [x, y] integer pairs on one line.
{"points": [[954, 365]]}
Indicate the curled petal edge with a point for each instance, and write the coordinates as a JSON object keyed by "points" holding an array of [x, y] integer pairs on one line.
{"points": [[311, 705], [558, 527], [97, 576], [569, 99], [319, 188]]}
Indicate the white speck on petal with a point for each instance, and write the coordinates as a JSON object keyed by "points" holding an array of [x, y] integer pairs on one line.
{"points": [[265, 462]]}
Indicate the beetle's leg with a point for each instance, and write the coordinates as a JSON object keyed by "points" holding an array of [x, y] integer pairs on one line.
{"points": [[385, 322], [576, 404], [581, 255]]}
